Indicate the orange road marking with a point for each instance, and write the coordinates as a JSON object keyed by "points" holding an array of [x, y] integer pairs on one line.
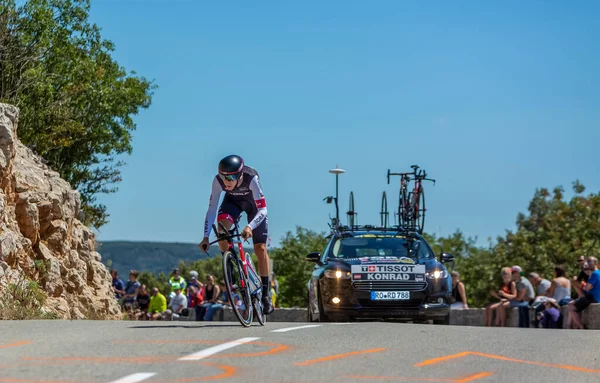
{"points": [[275, 348], [15, 344], [466, 379], [228, 372], [441, 359], [499, 357], [12, 380], [338, 356], [473, 377]]}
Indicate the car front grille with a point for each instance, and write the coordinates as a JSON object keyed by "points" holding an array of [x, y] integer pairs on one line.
{"points": [[390, 305], [389, 286]]}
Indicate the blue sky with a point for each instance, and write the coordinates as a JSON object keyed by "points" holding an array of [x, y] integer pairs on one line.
{"points": [[493, 100]]}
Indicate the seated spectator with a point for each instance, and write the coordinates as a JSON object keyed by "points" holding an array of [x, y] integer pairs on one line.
{"points": [[541, 285], [551, 317], [458, 292], [177, 305], [560, 288], [591, 295], [507, 291], [143, 301], [525, 295], [157, 306], [218, 304], [582, 277], [211, 295], [559, 291]]}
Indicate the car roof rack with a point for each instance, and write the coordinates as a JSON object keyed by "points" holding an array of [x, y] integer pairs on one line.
{"points": [[346, 230]]}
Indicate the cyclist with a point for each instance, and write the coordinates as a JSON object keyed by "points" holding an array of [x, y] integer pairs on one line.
{"points": [[243, 193]]}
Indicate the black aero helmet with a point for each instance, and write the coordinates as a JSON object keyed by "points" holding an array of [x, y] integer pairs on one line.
{"points": [[230, 167]]}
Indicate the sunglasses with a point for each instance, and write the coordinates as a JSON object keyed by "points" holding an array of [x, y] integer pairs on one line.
{"points": [[230, 177]]}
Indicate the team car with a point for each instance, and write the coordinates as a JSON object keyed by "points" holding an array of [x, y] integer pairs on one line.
{"points": [[385, 273]]}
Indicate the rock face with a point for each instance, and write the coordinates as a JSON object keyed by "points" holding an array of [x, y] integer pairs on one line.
{"points": [[41, 238]]}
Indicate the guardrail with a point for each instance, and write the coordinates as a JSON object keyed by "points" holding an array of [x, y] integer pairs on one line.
{"points": [[461, 317]]}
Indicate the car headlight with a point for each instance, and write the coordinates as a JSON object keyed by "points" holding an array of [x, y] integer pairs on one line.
{"points": [[436, 274], [337, 274]]}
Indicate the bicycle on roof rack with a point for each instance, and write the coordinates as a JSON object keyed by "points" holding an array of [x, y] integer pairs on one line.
{"points": [[244, 289], [411, 204]]}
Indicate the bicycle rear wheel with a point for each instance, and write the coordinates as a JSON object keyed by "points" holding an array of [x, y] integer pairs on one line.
{"points": [[351, 213], [234, 272], [384, 211], [420, 210], [403, 209]]}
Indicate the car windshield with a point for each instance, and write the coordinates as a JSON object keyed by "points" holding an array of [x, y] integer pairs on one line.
{"points": [[371, 245]]}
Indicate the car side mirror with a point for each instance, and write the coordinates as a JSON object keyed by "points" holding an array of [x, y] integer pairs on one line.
{"points": [[447, 258], [314, 257]]}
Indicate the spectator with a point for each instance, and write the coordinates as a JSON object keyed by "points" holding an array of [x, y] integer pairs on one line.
{"points": [[178, 304], [551, 317], [591, 291], [143, 301], [525, 295], [273, 293], [560, 288], [507, 291], [559, 291], [131, 291], [176, 280], [458, 292], [211, 294], [581, 278], [158, 305], [218, 304], [117, 284], [196, 301], [540, 284], [194, 279]]}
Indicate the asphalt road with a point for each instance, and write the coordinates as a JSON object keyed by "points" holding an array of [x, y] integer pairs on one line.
{"points": [[152, 352]]}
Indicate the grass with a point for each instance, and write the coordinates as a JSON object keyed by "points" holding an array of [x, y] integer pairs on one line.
{"points": [[23, 299]]}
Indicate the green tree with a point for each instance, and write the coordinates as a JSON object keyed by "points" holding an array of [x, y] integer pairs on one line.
{"points": [[290, 267], [76, 102]]}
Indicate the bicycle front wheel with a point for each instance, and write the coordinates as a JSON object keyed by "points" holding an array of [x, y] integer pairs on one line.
{"points": [[237, 287]]}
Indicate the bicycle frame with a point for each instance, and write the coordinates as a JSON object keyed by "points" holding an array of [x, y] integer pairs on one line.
{"points": [[234, 233]]}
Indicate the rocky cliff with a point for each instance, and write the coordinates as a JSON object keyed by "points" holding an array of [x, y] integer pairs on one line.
{"points": [[41, 237]]}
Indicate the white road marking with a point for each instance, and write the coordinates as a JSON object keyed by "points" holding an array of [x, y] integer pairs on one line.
{"points": [[296, 328], [134, 378], [213, 350]]}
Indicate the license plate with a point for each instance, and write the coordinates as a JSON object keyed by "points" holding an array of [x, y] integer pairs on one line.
{"points": [[389, 295]]}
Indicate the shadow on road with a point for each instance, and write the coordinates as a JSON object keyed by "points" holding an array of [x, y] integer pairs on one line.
{"points": [[192, 326]]}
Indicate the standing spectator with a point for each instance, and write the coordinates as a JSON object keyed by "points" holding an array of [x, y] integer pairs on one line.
{"points": [[525, 295], [176, 280], [158, 305], [117, 284], [143, 301], [458, 292], [591, 292], [194, 279], [131, 291]]}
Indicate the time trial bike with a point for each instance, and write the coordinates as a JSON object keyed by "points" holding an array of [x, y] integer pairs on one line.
{"points": [[244, 287]]}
